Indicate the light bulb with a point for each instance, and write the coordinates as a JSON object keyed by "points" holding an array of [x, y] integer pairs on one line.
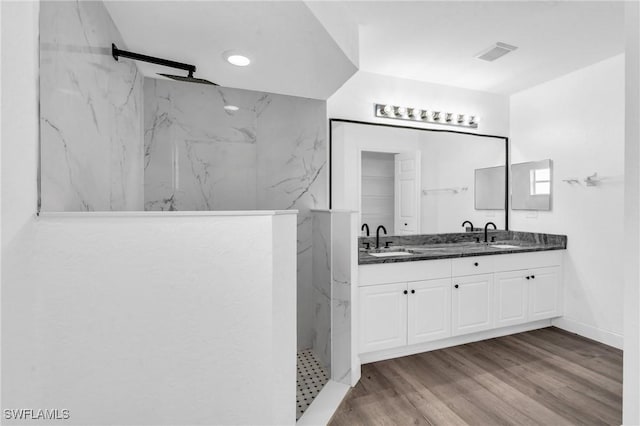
{"points": [[236, 59]]}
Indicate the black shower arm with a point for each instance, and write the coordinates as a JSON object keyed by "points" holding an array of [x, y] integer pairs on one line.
{"points": [[159, 61]]}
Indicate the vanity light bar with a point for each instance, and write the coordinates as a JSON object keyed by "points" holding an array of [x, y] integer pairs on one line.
{"points": [[426, 116]]}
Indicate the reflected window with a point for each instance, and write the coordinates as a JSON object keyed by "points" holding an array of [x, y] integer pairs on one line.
{"points": [[540, 181]]}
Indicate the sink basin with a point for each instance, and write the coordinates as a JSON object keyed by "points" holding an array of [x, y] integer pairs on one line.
{"points": [[503, 246], [391, 253]]}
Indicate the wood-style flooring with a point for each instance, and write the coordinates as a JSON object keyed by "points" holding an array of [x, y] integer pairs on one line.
{"points": [[541, 377]]}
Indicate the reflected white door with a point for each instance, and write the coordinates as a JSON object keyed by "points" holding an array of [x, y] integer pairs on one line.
{"points": [[407, 193]]}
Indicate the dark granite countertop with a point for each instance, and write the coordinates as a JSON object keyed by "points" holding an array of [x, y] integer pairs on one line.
{"points": [[445, 246]]}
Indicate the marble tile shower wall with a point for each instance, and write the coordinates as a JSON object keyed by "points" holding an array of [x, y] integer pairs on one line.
{"points": [[269, 154], [344, 250], [334, 262], [321, 290], [90, 112]]}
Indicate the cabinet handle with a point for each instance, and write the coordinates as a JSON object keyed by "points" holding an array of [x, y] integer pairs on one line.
{"points": [[456, 286], [413, 292], [527, 277], [405, 292], [475, 264]]}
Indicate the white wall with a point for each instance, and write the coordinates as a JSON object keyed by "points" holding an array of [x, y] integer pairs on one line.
{"points": [[355, 100], [578, 122], [631, 367], [154, 318]]}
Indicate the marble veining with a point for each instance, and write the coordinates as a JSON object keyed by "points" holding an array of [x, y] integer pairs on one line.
{"points": [[321, 282], [90, 113], [269, 154], [443, 246], [343, 231], [333, 261]]}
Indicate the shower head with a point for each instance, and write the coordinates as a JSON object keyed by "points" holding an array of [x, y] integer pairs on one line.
{"points": [[189, 79], [116, 53]]}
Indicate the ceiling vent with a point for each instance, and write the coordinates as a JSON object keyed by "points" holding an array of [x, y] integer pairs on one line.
{"points": [[495, 52]]}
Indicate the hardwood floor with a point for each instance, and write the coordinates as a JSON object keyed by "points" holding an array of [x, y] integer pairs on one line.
{"points": [[541, 377]]}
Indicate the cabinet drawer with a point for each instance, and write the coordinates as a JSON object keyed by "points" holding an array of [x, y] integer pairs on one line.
{"points": [[518, 261], [384, 273], [472, 265]]}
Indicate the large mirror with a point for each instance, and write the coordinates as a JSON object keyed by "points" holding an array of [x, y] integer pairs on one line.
{"points": [[531, 185], [417, 181]]}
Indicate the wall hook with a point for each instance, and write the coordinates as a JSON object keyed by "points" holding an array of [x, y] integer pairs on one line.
{"points": [[592, 180]]}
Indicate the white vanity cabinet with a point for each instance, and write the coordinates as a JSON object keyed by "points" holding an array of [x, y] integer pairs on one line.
{"points": [[412, 303], [397, 314], [510, 298], [472, 303], [527, 295], [383, 316], [544, 293], [428, 313]]}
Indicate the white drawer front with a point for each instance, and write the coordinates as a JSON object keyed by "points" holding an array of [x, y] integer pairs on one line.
{"points": [[384, 273], [535, 259], [472, 265]]}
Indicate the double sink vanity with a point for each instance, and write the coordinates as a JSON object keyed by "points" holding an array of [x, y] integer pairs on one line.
{"points": [[427, 286], [431, 291]]}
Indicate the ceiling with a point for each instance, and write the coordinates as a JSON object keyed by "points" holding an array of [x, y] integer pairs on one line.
{"points": [[291, 51], [436, 41], [298, 48]]}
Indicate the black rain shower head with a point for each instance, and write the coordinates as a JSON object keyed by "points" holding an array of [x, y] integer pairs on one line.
{"points": [[189, 79], [116, 53]]}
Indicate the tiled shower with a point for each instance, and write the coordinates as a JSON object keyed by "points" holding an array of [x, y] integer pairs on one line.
{"points": [[168, 145]]}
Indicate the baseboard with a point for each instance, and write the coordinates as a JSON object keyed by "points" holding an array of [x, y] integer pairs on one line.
{"points": [[451, 341], [324, 405], [590, 332]]}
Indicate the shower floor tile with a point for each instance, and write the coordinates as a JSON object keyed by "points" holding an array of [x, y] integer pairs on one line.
{"points": [[310, 380]]}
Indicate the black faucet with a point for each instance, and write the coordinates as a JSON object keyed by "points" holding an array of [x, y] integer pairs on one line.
{"points": [[378, 235], [485, 229], [469, 222], [364, 225]]}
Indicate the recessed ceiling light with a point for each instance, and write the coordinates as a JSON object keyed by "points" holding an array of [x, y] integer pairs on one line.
{"points": [[236, 59], [231, 108]]}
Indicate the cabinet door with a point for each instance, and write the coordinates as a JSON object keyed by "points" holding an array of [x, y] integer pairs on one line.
{"points": [[429, 306], [472, 307], [544, 293], [511, 298], [383, 317]]}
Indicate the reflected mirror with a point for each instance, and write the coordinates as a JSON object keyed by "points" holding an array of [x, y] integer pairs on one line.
{"points": [[417, 181], [531, 185]]}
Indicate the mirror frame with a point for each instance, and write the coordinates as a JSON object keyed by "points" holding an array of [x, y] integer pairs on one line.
{"points": [[506, 155]]}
